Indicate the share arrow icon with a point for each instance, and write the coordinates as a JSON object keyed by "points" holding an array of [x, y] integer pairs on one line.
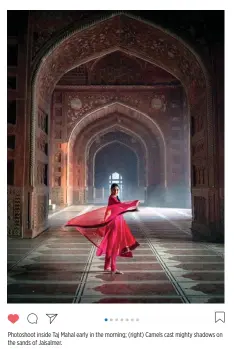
{"points": [[52, 317]]}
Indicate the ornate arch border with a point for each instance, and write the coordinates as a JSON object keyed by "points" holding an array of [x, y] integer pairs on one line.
{"points": [[142, 118], [44, 53], [196, 61], [119, 128], [69, 31]]}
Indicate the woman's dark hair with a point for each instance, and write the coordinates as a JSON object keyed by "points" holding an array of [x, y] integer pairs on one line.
{"points": [[114, 185]]}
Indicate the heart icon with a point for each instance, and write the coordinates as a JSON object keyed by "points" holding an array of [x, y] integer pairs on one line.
{"points": [[13, 318]]}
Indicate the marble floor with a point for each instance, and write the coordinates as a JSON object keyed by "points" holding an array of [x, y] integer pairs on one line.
{"points": [[168, 267]]}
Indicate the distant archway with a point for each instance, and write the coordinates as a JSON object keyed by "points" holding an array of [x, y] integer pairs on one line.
{"points": [[116, 157], [143, 162]]}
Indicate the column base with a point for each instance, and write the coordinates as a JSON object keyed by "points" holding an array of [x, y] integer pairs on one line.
{"points": [[27, 234], [214, 232], [31, 234]]}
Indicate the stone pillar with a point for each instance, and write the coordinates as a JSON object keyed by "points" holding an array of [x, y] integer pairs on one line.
{"points": [[85, 195], [94, 194], [90, 194], [145, 195], [205, 193]]}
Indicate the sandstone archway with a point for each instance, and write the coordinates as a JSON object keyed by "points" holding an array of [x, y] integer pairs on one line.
{"points": [[150, 129], [120, 108], [116, 127], [142, 158], [159, 47]]}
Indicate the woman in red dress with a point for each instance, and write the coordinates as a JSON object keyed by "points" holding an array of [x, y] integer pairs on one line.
{"points": [[117, 239]]}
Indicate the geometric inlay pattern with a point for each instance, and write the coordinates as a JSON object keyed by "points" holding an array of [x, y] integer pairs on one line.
{"points": [[168, 267]]}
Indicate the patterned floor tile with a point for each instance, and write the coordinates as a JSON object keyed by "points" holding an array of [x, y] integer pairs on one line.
{"points": [[58, 258], [202, 288], [131, 277], [124, 300], [136, 259], [195, 266], [127, 267], [42, 289], [186, 252], [144, 289], [169, 267], [194, 259], [199, 276], [45, 276], [48, 267], [26, 299], [203, 299]]}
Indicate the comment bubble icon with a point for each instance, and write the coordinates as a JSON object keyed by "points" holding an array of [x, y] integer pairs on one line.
{"points": [[32, 318]]}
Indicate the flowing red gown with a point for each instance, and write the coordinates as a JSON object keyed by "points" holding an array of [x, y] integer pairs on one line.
{"points": [[108, 223]]}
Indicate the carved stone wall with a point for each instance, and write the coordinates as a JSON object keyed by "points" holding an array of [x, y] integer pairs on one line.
{"points": [[118, 68], [81, 102], [40, 205], [57, 154], [40, 171], [218, 66], [18, 153], [14, 212], [200, 207]]}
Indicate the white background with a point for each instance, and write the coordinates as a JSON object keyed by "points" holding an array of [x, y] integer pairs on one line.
{"points": [[152, 317]]}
